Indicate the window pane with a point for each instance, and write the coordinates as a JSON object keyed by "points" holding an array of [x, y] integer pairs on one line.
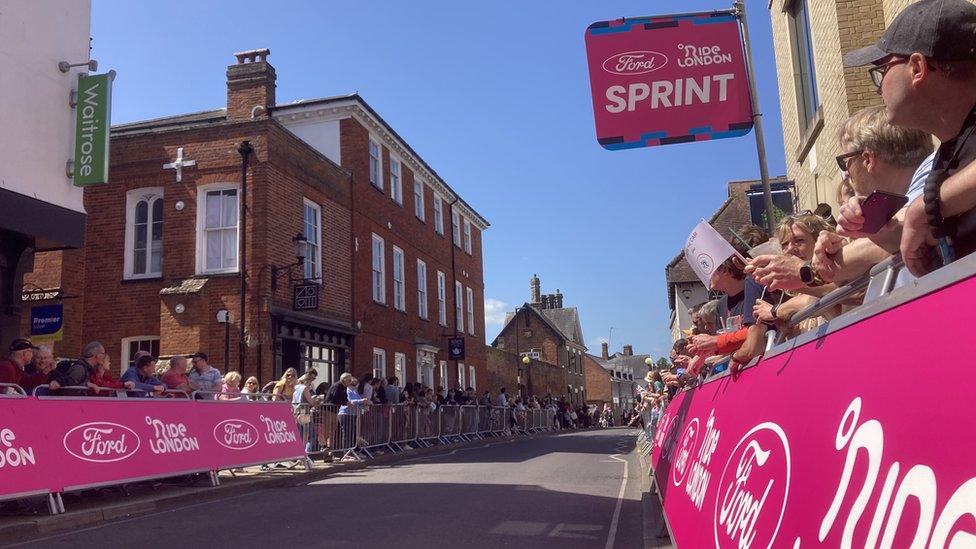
{"points": [[229, 237], [213, 250], [142, 211], [230, 208], [139, 258], [157, 210], [141, 236], [156, 260], [213, 210]]}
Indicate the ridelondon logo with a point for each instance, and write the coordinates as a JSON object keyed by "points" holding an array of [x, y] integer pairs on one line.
{"points": [[235, 434], [753, 489], [635, 62], [686, 445], [101, 442]]}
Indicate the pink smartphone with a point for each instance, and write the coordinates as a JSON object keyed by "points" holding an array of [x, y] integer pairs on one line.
{"points": [[878, 208]]}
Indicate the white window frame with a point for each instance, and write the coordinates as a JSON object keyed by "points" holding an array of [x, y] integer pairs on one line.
{"points": [[375, 171], [202, 192], [396, 180], [461, 376], [456, 227], [399, 369], [443, 373], [469, 295], [399, 294], [458, 308], [126, 341], [379, 269], [132, 199], [467, 236], [379, 362], [471, 378], [422, 289], [418, 199], [312, 269], [438, 214], [441, 299]]}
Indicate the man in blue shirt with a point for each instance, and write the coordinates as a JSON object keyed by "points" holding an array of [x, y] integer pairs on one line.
{"points": [[141, 375]]}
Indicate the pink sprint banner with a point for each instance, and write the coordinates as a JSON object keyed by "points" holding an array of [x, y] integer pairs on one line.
{"points": [[26, 467], [865, 435], [242, 433], [668, 79], [96, 441]]}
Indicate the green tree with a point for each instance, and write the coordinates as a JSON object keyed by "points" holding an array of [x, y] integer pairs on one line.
{"points": [[662, 363]]}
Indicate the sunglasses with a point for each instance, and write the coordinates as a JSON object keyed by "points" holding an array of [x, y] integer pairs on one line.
{"points": [[878, 73], [842, 159]]}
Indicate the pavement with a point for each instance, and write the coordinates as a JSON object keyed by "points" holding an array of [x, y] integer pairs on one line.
{"points": [[576, 489]]}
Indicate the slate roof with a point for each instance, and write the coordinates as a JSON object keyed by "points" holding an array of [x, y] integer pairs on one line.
{"points": [[217, 116], [564, 321]]}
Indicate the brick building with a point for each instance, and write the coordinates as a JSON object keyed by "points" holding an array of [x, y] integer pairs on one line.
{"points": [[163, 254], [545, 330], [816, 92], [538, 377], [613, 378], [743, 206]]}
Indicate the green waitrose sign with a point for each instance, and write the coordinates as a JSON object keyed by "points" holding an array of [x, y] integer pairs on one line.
{"points": [[92, 122]]}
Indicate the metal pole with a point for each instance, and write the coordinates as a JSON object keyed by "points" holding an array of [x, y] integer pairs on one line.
{"points": [[739, 10], [245, 151]]}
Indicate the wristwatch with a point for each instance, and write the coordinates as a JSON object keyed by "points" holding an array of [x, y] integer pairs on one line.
{"points": [[807, 273]]}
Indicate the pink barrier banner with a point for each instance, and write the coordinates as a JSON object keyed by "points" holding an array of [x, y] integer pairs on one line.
{"points": [[25, 465], [65, 444], [101, 440], [862, 437], [243, 433], [668, 79]]}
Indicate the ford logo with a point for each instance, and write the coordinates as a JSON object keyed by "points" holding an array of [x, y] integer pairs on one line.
{"points": [[235, 434], [101, 442], [635, 62]]}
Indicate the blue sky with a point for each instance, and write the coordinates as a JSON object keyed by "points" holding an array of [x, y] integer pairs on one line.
{"points": [[495, 96]]}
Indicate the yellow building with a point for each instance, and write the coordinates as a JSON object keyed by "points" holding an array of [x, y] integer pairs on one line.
{"points": [[816, 92]]}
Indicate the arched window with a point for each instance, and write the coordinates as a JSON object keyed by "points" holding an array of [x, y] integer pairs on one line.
{"points": [[144, 233]]}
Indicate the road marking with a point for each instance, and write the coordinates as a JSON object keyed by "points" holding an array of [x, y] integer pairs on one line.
{"points": [[612, 534], [574, 531], [520, 528]]}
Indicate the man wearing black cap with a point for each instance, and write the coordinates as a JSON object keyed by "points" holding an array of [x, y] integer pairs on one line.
{"points": [[925, 69], [12, 367]]}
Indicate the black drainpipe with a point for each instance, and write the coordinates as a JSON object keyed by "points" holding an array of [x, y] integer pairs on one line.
{"points": [[245, 151]]}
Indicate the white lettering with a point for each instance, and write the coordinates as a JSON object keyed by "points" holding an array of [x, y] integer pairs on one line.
{"points": [[171, 438], [11, 455], [613, 94], [638, 92], [741, 508], [277, 432], [95, 443]]}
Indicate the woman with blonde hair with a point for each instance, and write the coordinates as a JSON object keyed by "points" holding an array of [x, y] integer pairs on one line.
{"points": [[284, 389], [231, 388]]}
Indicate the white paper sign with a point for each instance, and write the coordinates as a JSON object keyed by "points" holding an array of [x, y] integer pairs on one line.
{"points": [[705, 250]]}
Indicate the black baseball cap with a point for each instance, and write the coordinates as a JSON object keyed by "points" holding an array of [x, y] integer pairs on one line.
{"points": [[21, 344], [200, 355], [944, 30]]}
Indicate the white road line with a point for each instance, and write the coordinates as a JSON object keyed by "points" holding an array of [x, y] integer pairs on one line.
{"points": [[612, 534]]}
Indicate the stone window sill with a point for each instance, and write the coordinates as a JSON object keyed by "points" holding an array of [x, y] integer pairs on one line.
{"points": [[810, 137]]}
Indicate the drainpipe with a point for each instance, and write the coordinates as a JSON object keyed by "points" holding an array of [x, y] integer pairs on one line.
{"points": [[245, 151]]}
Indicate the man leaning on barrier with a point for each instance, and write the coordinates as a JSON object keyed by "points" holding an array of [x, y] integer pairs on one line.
{"points": [[141, 376], [75, 373], [12, 367], [925, 69], [205, 377]]}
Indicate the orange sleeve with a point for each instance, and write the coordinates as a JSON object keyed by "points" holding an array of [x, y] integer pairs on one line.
{"points": [[728, 343]]}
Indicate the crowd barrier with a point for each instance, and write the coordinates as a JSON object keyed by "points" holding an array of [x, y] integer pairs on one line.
{"points": [[50, 444], [363, 431]]}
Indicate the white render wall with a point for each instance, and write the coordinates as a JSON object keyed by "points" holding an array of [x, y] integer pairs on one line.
{"points": [[322, 135], [36, 122]]}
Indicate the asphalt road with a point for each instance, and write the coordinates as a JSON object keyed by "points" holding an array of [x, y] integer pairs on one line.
{"points": [[569, 490]]}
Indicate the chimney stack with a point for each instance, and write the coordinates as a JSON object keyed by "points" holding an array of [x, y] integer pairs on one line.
{"points": [[559, 299], [535, 288], [628, 350], [605, 350], [250, 85]]}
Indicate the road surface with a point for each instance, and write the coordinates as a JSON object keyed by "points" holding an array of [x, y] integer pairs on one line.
{"points": [[576, 489]]}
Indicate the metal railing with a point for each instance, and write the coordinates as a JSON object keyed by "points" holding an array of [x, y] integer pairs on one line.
{"points": [[11, 389]]}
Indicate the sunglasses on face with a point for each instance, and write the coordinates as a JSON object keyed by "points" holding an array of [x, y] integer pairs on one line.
{"points": [[842, 159]]}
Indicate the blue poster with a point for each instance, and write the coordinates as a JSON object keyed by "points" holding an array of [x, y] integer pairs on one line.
{"points": [[47, 322]]}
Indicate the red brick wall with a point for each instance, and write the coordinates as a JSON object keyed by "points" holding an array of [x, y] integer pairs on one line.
{"points": [[382, 326], [597, 382], [277, 182]]}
